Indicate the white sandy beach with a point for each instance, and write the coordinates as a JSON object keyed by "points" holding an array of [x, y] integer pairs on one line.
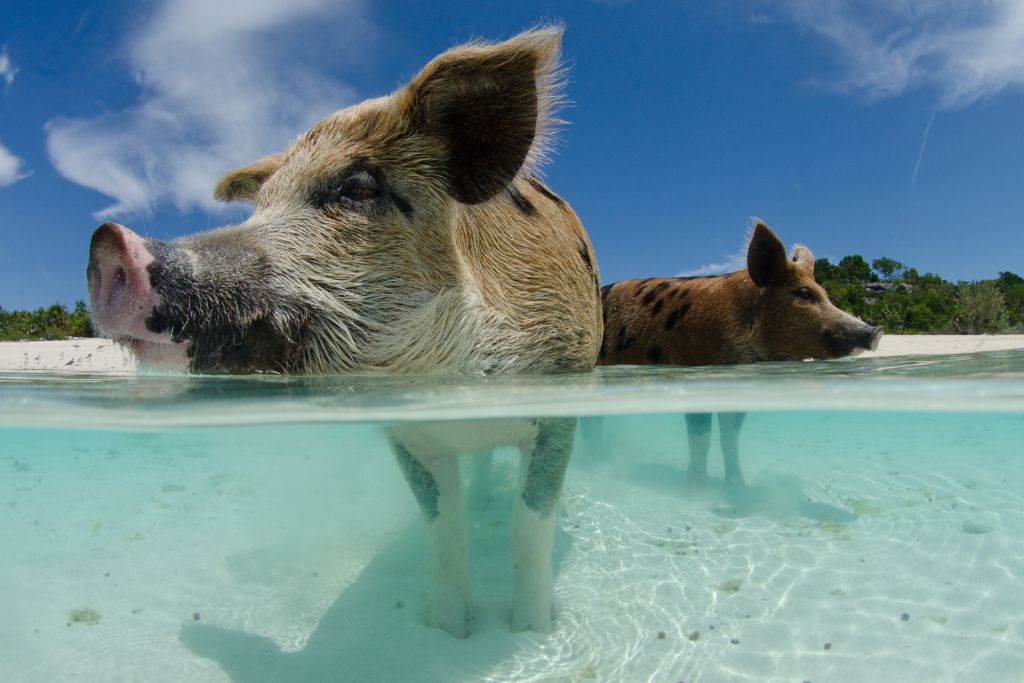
{"points": [[102, 355], [71, 355]]}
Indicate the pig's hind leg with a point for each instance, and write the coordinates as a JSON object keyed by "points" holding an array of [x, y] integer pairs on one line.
{"points": [[480, 480], [542, 472], [436, 484], [729, 425], [595, 439], [698, 433]]}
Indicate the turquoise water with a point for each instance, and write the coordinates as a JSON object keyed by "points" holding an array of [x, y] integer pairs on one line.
{"points": [[162, 528]]}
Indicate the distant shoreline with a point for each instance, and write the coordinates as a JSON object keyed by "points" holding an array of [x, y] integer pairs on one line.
{"points": [[103, 355]]}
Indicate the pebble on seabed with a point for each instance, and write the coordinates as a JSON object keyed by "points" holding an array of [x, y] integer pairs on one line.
{"points": [[695, 635], [83, 615], [904, 617], [828, 646], [195, 616]]}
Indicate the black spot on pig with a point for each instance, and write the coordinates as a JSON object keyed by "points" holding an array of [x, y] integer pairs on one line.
{"points": [[521, 202], [675, 316], [543, 189]]}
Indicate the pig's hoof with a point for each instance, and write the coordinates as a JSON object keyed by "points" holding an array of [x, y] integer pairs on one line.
{"points": [[735, 481], [538, 617], [451, 618]]}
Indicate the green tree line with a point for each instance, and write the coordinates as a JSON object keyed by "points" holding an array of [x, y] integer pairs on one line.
{"points": [[884, 292], [903, 301], [53, 322]]}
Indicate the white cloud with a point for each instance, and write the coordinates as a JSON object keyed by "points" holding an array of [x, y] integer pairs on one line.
{"points": [[966, 49], [737, 261], [11, 170], [222, 83], [7, 70]]}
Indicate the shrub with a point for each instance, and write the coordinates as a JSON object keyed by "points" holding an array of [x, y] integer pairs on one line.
{"points": [[53, 322], [981, 308]]}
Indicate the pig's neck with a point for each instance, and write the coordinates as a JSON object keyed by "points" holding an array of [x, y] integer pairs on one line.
{"points": [[738, 303]]}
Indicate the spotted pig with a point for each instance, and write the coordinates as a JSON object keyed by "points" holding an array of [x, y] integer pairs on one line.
{"points": [[405, 234], [774, 310]]}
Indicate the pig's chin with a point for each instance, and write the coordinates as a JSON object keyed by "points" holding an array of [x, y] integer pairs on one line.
{"points": [[158, 355]]}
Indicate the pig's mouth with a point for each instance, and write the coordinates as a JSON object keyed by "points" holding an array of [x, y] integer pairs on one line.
{"points": [[157, 354], [872, 337], [853, 343]]}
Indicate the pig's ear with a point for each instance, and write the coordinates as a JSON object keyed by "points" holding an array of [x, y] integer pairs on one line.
{"points": [[766, 256], [803, 258], [243, 183], [490, 109]]}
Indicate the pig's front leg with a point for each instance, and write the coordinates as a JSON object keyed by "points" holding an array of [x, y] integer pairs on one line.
{"points": [[542, 471], [435, 483], [698, 433], [729, 425]]}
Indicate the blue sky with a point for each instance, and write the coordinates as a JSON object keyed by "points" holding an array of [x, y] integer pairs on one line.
{"points": [[875, 127]]}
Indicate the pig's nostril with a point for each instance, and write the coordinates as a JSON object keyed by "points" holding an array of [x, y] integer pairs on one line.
{"points": [[117, 286]]}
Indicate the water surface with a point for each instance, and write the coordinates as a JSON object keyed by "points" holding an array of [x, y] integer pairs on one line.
{"points": [[168, 528]]}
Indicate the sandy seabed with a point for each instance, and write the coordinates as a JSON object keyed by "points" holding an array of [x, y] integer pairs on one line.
{"points": [[866, 548]]}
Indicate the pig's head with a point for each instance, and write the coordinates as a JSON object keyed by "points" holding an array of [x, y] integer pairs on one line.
{"points": [[795, 318], [352, 227]]}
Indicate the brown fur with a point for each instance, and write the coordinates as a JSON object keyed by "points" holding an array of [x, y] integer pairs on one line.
{"points": [[746, 316]]}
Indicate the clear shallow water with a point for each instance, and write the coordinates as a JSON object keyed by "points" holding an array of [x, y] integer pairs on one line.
{"points": [[271, 509]]}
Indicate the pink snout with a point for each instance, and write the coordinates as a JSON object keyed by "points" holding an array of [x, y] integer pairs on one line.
{"points": [[120, 294]]}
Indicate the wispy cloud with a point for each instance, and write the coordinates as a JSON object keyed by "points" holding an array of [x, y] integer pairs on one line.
{"points": [[222, 83], [11, 170], [966, 49], [737, 261], [7, 69]]}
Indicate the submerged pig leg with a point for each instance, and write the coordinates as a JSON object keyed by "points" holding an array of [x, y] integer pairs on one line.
{"points": [[542, 472], [729, 425], [435, 483], [698, 432], [480, 480]]}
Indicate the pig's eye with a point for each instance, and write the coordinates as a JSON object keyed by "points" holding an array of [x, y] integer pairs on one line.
{"points": [[355, 188], [805, 294], [360, 187]]}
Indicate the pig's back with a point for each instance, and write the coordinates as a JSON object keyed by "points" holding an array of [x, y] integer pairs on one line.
{"points": [[672, 321]]}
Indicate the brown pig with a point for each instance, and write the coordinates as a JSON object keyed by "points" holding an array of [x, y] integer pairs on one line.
{"points": [[774, 310]]}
